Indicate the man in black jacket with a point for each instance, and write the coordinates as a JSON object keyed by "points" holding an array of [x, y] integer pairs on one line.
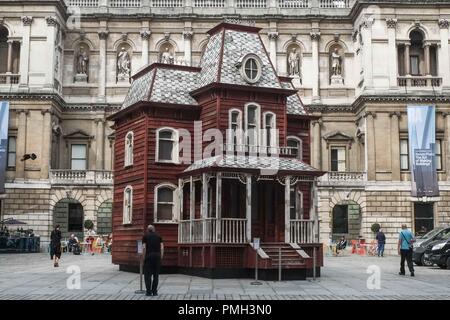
{"points": [[381, 239], [153, 251]]}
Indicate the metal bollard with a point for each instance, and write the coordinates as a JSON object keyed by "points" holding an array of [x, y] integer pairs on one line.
{"points": [[314, 264], [279, 264], [140, 291], [256, 282]]}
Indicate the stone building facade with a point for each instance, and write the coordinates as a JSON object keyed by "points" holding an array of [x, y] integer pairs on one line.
{"points": [[66, 65]]}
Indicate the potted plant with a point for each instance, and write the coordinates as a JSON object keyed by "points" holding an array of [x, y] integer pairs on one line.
{"points": [[375, 227], [88, 224]]}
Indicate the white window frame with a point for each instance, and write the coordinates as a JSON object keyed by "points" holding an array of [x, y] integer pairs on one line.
{"points": [[258, 124], [258, 68], [404, 154], [438, 156], [129, 149], [175, 210], [9, 152], [126, 221], [86, 160], [230, 131], [274, 136], [345, 155], [300, 146], [175, 151]]}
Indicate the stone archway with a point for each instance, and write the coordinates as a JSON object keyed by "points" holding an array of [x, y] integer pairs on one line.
{"points": [[104, 218], [69, 214]]}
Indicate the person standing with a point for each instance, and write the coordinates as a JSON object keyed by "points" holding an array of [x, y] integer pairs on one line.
{"points": [[55, 246], [381, 241], [405, 240], [153, 252]]}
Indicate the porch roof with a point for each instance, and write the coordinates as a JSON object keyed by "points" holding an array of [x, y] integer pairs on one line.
{"points": [[262, 164]]}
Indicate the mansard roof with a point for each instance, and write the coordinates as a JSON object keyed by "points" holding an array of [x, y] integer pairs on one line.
{"points": [[220, 65]]}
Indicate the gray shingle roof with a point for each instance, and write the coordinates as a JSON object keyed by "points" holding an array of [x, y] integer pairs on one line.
{"points": [[139, 90], [252, 163], [294, 104]]}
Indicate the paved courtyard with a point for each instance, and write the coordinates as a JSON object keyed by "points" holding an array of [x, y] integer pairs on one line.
{"points": [[32, 276]]}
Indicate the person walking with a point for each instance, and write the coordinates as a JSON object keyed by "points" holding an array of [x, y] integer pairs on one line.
{"points": [[153, 252], [405, 240], [55, 246], [381, 241]]}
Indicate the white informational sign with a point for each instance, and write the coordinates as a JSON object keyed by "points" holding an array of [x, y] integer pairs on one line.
{"points": [[256, 243], [140, 249]]}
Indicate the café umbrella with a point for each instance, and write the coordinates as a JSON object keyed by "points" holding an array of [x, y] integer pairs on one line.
{"points": [[12, 222]]}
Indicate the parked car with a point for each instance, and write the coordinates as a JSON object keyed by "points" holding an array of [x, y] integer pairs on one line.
{"points": [[421, 244], [439, 253]]}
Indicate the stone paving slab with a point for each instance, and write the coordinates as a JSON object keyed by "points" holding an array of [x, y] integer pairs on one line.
{"points": [[33, 277]]}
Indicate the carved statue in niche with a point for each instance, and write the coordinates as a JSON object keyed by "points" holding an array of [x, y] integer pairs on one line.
{"points": [[294, 62], [123, 65], [82, 65], [336, 77], [167, 57]]}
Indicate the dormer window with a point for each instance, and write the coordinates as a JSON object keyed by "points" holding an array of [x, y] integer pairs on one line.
{"points": [[251, 68]]}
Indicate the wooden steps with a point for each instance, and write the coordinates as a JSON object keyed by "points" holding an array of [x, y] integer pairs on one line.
{"points": [[290, 258]]}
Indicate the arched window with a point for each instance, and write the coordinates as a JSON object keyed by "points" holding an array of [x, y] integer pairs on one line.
{"points": [[252, 124], [296, 146], [129, 144], [340, 219], [128, 205], [270, 133], [167, 145], [165, 203], [235, 127]]}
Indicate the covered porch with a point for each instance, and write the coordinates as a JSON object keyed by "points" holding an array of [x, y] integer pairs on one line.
{"points": [[233, 199]]}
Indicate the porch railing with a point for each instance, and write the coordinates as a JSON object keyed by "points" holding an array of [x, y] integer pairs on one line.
{"points": [[212, 230], [258, 150], [301, 231]]}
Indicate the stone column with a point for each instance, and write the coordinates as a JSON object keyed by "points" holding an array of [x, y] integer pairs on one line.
{"points": [[367, 52], [406, 59], [187, 36], [52, 24], [248, 211], [370, 146], [392, 48], [444, 54], [10, 50], [145, 36], [426, 48], [273, 37], [46, 148], [103, 35], [25, 51], [21, 143], [287, 209], [395, 146], [100, 144], [315, 37], [317, 145]]}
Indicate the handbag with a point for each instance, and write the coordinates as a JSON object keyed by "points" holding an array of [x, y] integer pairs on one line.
{"points": [[409, 242]]}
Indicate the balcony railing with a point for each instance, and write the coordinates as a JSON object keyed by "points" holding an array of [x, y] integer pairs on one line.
{"points": [[419, 81], [301, 231], [343, 178], [8, 78], [241, 149], [81, 177], [240, 4], [212, 230]]}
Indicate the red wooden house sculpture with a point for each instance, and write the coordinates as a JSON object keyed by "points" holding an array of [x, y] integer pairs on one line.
{"points": [[215, 156]]}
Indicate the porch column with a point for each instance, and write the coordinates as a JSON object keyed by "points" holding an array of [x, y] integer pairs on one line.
{"points": [[218, 206], [287, 211], [191, 206], [181, 236], [204, 208], [249, 208]]}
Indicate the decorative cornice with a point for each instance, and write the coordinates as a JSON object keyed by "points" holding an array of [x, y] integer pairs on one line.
{"points": [[145, 34], [443, 23], [103, 35], [391, 23], [273, 35], [52, 21], [27, 20], [188, 35], [315, 36]]}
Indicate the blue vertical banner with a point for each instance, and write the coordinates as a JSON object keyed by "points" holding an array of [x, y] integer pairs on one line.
{"points": [[4, 118], [422, 151]]}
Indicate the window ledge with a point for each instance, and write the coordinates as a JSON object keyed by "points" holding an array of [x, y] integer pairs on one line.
{"points": [[166, 222], [167, 162]]}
